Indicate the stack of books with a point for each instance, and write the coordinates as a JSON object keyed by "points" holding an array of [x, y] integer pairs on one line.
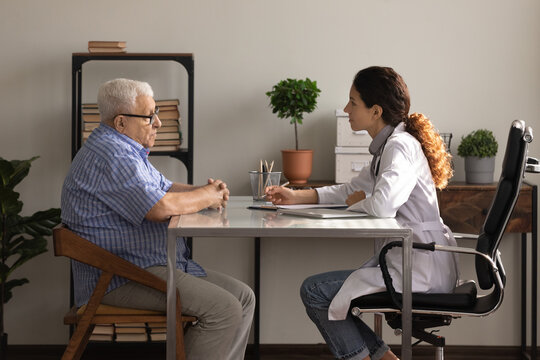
{"points": [[91, 119], [102, 332], [131, 332], [168, 135], [107, 46], [158, 331]]}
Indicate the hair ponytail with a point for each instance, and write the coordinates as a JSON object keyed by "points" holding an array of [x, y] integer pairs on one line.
{"points": [[433, 146]]}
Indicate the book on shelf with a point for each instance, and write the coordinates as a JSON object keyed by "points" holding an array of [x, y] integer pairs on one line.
{"points": [[157, 330], [89, 126], [167, 136], [167, 102], [167, 142], [103, 329], [161, 148], [168, 107], [168, 114], [130, 324], [131, 337], [158, 336], [107, 43], [169, 122], [106, 50], [91, 117], [168, 129], [101, 337], [130, 330], [160, 324]]}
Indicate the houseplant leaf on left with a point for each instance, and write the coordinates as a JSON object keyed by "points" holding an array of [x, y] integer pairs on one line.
{"points": [[22, 237]]}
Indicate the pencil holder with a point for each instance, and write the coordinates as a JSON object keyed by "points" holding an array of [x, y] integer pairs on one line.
{"points": [[260, 180]]}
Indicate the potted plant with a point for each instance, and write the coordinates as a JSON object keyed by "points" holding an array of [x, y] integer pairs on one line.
{"points": [[290, 99], [479, 149], [22, 237]]}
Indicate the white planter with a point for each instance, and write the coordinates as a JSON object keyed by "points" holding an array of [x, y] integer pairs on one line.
{"points": [[479, 170]]}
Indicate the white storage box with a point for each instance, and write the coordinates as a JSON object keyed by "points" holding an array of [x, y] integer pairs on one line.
{"points": [[349, 161], [346, 136]]}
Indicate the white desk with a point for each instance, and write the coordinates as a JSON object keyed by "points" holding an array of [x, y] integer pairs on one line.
{"points": [[238, 221]]}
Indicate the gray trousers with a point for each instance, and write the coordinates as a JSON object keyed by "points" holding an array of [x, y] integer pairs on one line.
{"points": [[223, 305]]}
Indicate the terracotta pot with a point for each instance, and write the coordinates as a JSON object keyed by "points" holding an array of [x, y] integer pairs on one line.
{"points": [[297, 165]]}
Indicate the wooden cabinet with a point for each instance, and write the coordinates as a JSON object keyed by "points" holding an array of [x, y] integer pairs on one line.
{"points": [[464, 207]]}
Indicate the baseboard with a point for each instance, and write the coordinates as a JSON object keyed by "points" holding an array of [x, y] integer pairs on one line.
{"points": [[150, 351]]}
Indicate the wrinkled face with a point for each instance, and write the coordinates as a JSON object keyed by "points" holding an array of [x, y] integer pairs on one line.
{"points": [[360, 116], [138, 128]]}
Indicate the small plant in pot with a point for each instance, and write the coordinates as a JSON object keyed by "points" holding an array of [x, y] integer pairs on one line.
{"points": [[290, 99], [479, 149], [22, 237]]}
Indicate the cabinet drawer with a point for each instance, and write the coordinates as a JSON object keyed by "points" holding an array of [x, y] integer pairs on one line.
{"points": [[349, 164], [347, 137]]}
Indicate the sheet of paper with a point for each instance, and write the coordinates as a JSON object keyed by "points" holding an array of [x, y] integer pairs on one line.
{"points": [[270, 206]]}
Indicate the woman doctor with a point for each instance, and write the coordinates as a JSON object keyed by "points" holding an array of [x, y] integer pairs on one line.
{"points": [[409, 162]]}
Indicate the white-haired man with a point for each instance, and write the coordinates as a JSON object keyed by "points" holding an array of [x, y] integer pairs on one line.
{"points": [[114, 197]]}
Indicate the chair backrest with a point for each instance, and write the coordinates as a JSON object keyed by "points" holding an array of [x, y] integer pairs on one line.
{"points": [[503, 202]]}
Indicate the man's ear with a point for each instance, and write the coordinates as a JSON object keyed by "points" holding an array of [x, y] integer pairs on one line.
{"points": [[119, 123]]}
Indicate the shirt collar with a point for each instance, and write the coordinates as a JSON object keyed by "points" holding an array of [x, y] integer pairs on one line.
{"points": [[377, 144], [126, 139]]}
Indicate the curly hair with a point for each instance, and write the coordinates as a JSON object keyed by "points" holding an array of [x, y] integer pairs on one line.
{"points": [[384, 87], [433, 146]]}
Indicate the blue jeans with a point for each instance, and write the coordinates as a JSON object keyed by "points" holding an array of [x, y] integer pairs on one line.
{"points": [[348, 339]]}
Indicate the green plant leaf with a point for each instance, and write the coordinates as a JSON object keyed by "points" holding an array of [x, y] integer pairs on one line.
{"points": [[480, 143], [9, 202], [9, 285], [291, 98], [22, 238], [28, 249]]}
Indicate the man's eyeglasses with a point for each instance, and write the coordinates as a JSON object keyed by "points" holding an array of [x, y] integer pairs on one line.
{"points": [[151, 118]]}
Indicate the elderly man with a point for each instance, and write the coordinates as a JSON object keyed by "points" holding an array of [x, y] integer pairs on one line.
{"points": [[114, 197]]}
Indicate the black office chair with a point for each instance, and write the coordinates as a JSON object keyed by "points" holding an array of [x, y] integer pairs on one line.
{"points": [[435, 310]]}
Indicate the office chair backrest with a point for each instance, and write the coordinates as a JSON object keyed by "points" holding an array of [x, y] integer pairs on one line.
{"points": [[503, 203]]}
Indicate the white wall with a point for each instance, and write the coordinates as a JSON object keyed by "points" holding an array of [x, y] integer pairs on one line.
{"points": [[468, 64]]}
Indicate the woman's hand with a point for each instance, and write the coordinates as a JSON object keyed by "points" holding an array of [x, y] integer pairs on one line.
{"points": [[280, 195], [355, 197]]}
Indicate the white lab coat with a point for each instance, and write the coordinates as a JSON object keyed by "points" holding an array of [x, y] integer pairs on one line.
{"points": [[403, 189]]}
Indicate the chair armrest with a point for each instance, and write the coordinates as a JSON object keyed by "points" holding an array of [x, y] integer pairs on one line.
{"points": [[465, 236]]}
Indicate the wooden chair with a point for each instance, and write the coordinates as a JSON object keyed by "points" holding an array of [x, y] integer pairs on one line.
{"points": [[67, 243]]}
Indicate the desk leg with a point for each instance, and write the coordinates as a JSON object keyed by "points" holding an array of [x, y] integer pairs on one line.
{"points": [[257, 280], [171, 297], [534, 272], [523, 295], [406, 311]]}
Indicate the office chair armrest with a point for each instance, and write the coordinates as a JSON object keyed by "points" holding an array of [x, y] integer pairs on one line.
{"points": [[430, 247], [465, 236]]}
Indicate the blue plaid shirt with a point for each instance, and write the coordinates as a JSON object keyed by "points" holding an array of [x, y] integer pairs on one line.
{"points": [[109, 189]]}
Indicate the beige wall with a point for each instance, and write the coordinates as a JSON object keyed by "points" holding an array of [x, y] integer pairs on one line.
{"points": [[468, 64]]}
